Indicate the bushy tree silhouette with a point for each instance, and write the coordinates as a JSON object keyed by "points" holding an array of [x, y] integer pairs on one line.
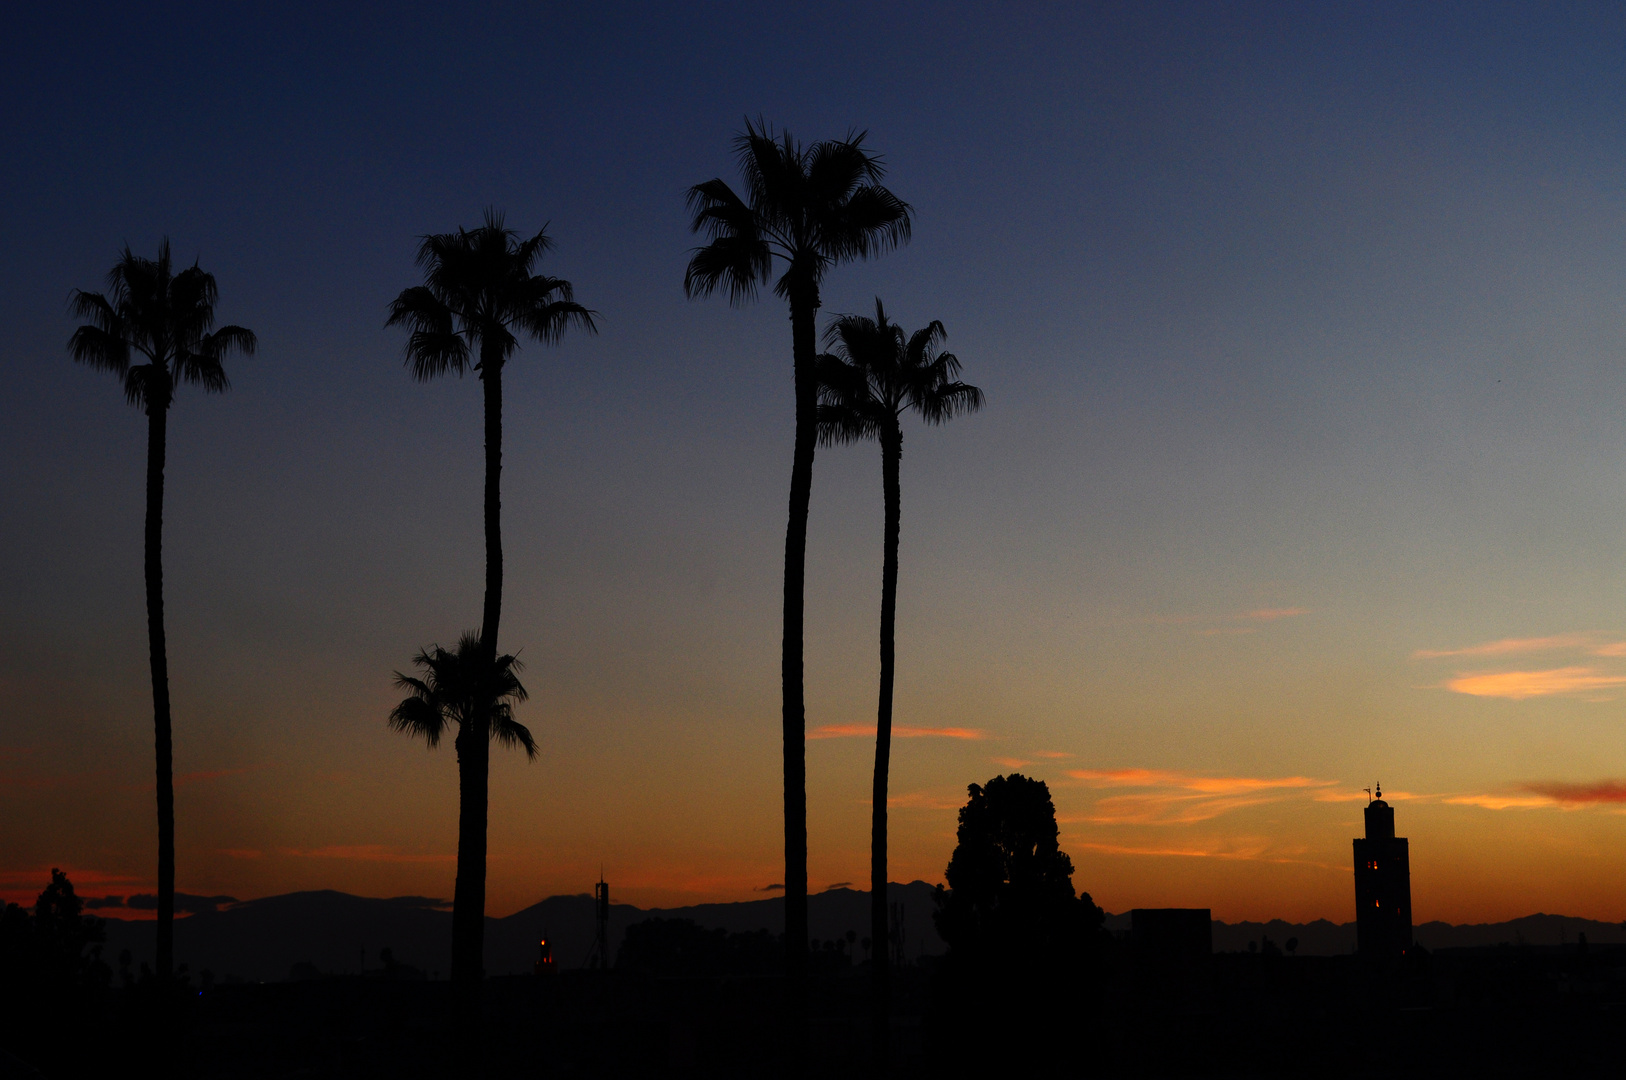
{"points": [[1022, 946], [1010, 886], [467, 688], [150, 313], [872, 376], [808, 209]]}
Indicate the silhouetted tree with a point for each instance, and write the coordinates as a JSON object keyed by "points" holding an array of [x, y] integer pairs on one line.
{"points": [[477, 693], [1010, 886], [1022, 947], [874, 375], [479, 293], [809, 208], [166, 319], [52, 980]]}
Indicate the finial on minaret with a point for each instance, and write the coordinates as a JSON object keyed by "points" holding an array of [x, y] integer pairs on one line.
{"points": [[1380, 789]]}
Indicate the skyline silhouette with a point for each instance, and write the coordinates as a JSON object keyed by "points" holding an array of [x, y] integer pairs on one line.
{"points": [[1304, 330]]}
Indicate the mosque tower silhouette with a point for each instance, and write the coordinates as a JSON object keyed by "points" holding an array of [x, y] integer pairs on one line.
{"points": [[1382, 885]]}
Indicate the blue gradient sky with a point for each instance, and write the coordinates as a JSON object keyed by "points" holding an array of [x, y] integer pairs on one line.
{"points": [[1302, 335]]}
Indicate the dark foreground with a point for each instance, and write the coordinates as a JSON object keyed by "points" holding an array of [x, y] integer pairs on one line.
{"points": [[1510, 1011]]}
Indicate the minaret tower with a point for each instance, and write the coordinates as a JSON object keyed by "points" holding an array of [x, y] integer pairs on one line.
{"points": [[1382, 885]]}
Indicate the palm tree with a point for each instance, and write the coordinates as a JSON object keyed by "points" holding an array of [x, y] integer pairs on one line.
{"points": [[477, 692], [873, 377], [478, 292], [809, 208], [167, 319]]}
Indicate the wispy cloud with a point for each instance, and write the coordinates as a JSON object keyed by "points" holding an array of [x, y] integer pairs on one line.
{"points": [[1208, 785], [899, 731], [1177, 798], [1550, 682], [1242, 850], [1010, 762], [1274, 613], [1600, 791], [922, 800], [366, 853], [1513, 646], [1501, 802]]}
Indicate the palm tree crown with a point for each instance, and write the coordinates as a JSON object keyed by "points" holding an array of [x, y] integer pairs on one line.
{"points": [[463, 686], [167, 318], [876, 374], [811, 207], [479, 290]]}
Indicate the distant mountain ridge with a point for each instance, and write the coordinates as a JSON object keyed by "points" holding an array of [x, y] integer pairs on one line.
{"points": [[261, 940]]}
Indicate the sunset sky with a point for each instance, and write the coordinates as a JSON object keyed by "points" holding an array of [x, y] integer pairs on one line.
{"points": [[1303, 333]]}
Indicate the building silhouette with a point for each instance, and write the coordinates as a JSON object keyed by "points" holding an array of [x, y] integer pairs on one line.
{"points": [[1382, 885]]}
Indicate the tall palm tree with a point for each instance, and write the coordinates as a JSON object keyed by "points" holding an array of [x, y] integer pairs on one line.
{"points": [[807, 209], [874, 375], [478, 294], [477, 692], [165, 319]]}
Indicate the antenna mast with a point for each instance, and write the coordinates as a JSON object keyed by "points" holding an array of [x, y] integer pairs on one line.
{"points": [[600, 956]]}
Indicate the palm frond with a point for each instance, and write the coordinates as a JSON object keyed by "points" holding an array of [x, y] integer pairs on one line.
{"points": [[870, 221], [718, 211], [948, 401], [433, 347], [547, 322], [528, 251], [101, 348], [417, 717], [509, 733], [738, 262]]}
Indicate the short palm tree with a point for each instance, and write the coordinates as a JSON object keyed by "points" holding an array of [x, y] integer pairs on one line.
{"points": [[166, 320], [479, 295], [476, 692], [873, 376], [807, 209]]}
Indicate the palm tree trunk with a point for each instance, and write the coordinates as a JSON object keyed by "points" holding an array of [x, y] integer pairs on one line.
{"points": [[803, 305], [880, 963], [157, 420], [474, 744], [469, 897], [491, 379]]}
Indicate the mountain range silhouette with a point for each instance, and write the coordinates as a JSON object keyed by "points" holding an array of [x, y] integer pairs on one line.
{"points": [[334, 933]]}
